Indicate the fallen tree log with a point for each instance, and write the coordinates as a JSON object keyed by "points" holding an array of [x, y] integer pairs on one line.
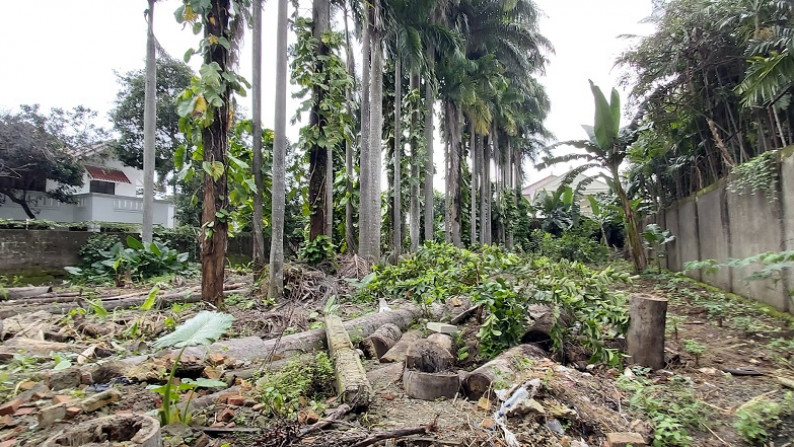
{"points": [[480, 381], [132, 300], [352, 385], [380, 341], [13, 293], [397, 352], [430, 386], [445, 342]]}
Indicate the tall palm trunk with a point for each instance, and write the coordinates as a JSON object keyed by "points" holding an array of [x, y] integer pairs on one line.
{"points": [[214, 138], [415, 175], [149, 129], [364, 213], [473, 185], [259, 238], [370, 229], [350, 237], [454, 174], [509, 191], [429, 218], [480, 141], [318, 155], [397, 218], [486, 190], [278, 193]]}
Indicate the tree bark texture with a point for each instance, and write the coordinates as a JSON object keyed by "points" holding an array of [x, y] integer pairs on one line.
{"points": [[415, 171], [378, 343], [480, 141], [276, 285], [256, 93], [396, 354], [480, 381], [370, 233], [350, 237], [397, 217], [365, 204], [214, 138], [473, 186], [428, 190], [351, 378], [645, 338]]}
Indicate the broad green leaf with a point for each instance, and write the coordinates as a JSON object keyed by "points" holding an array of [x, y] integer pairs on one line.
{"points": [[202, 382], [134, 243], [62, 364], [614, 106], [151, 299], [604, 123], [204, 328]]}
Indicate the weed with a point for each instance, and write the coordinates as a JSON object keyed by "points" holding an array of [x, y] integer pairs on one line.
{"points": [[307, 378], [675, 322], [671, 408], [694, 348], [754, 419]]}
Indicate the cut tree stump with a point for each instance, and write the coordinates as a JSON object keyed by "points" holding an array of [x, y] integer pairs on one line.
{"points": [[445, 342], [124, 429], [397, 353], [480, 381], [426, 356], [645, 338], [430, 386], [351, 378], [381, 340], [15, 293]]}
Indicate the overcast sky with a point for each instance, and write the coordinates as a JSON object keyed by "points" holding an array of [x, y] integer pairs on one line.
{"points": [[64, 53]]}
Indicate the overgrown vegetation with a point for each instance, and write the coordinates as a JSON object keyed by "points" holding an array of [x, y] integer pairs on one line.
{"points": [[137, 261], [586, 311], [757, 417], [307, 378]]}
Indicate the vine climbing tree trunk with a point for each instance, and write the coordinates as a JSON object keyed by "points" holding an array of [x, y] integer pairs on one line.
{"points": [[350, 237], [318, 153], [214, 138], [256, 93]]}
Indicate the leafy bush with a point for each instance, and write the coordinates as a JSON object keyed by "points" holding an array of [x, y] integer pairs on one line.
{"points": [[570, 246], [506, 284], [97, 244], [305, 377], [756, 417], [137, 262], [319, 250]]}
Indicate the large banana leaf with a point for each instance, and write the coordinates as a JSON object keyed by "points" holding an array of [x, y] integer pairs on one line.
{"points": [[202, 329]]}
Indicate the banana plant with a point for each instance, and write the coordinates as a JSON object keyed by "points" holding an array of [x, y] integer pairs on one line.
{"points": [[655, 239]]}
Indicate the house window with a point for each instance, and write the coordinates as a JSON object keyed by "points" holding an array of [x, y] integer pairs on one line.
{"points": [[102, 187]]}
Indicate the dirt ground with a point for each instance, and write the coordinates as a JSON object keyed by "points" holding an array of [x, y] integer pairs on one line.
{"points": [[580, 403]]}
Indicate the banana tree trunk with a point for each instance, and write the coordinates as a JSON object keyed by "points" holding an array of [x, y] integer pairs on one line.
{"points": [[632, 226]]}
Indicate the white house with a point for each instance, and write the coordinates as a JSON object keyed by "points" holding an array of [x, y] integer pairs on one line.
{"points": [[111, 192], [552, 182]]}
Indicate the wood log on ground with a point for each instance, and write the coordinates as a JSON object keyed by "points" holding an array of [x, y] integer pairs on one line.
{"points": [[254, 348], [397, 353], [125, 429], [465, 315], [380, 341], [430, 386], [336, 415], [505, 366], [351, 379], [13, 293], [645, 337], [426, 356], [445, 342]]}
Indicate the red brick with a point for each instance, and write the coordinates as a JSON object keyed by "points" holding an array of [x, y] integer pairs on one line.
{"points": [[25, 411], [11, 406], [73, 411], [61, 399], [237, 401]]}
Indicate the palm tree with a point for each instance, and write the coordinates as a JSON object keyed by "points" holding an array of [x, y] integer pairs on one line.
{"points": [[276, 289], [149, 128], [606, 149], [256, 92]]}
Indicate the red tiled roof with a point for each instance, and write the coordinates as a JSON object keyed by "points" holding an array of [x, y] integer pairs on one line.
{"points": [[107, 174]]}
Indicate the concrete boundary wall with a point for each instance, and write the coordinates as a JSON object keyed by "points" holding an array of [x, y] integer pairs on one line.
{"points": [[717, 223]]}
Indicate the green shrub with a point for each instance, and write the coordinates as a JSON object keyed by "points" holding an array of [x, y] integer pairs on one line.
{"points": [[754, 419], [570, 246], [305, 377], [93, 249], [137, 262], [319, 250]]}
